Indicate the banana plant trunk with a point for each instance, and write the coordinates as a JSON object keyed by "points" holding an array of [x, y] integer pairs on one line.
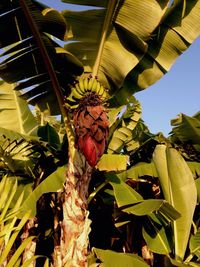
{"points": [[75, 226]]}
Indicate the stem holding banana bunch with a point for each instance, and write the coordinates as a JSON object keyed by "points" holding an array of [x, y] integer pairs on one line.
{"points": [[87, 142]]}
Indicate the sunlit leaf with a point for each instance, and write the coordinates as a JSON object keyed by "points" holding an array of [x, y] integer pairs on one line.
{"points": [[111, 258], [123, 193], [52, 183], [112, 162], [15, 114]]}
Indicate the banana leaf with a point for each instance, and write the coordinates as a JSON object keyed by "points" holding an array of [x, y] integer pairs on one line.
{"points": [[15, 115], [186, 129], [52, 183], [136, 52], [29, 52], [179, 189], [111, 258], [121, 132], [126, 37], [127, 52]]}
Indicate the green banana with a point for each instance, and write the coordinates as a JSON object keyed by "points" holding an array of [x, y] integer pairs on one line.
{"points": [[85, 87], [76, 94], [94, 86], [98, 88], [90, 83], [78, 89], [81, 84], [101, 90], [85, 82], [104, 95]]}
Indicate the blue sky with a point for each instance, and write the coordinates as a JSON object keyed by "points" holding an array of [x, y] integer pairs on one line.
{"points": [[176, 92]]}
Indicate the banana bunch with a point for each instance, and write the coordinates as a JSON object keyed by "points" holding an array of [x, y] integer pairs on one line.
{"points": [[179, 189], [83, 88]]}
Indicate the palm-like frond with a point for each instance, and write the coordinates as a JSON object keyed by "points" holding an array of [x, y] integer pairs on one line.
{"points": [[10, 226], [29, 53]]}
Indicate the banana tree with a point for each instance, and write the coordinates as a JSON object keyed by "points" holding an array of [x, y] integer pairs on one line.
{"points": [[117, 55]]}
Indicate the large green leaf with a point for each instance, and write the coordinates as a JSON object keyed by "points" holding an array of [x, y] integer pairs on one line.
{"points": [[179, 28], [52, 183], [139, 170], [126, 37], [179, 189], [31, 57], [15, 114], [155, 236], [123, 193], [141, 52], [110, 258], [150, 206]]}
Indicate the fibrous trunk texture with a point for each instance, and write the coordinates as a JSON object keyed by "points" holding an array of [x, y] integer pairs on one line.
{"points": [[75, 227]]}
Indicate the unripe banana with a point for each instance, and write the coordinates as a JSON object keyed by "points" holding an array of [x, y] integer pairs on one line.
{"points": [[76, 94], [90, 83], [89, 87], [101, 90], [85, 82], [94, 86], [78, 89], [98, 87], [81, 84], [104, 95]]}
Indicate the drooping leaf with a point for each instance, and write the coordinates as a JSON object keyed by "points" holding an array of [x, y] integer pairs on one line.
{"points": [[15, 114], [186, 129], [171, 38], [112, 162], [126, 37], [155, 236], [139, 170], [148, 49], [150, 206], [52, 183], [111, 258], [27, 57], [123, 193]]}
